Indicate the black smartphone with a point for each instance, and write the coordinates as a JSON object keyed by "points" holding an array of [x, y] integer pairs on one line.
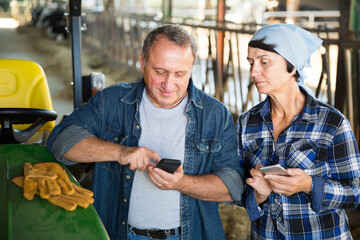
{"points": [[168, 165]]}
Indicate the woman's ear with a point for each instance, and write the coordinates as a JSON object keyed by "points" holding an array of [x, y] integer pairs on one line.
{"points": [[295, 74]]}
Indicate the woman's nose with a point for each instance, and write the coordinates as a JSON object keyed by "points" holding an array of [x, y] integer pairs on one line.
{"points": [[254, 71]]}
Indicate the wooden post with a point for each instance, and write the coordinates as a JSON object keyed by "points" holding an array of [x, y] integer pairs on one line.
{"points": [[219, 81], [349, 88], [292, 6], [355, 63], [340, 91], [166, 8], [109, 5]]}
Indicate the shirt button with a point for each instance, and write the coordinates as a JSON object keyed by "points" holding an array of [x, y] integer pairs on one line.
{"points": [[125, 200], [207, 147], [128, 177], [137, 127], [123, 222], [116, 139]]}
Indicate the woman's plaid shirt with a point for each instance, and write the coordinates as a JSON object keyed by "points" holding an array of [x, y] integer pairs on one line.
{"points": [[320, 141]]}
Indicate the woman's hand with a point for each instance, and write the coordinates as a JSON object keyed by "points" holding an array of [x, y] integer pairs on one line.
{"points": [[298, 181], [260, 184]]}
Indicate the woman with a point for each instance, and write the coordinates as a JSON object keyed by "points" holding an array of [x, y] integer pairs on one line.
{"points": [[310, 139]]}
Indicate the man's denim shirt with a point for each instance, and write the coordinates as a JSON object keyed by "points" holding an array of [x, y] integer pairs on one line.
{"points": [[210, 147]]}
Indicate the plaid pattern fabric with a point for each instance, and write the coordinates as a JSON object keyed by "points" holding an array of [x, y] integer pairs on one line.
{"points": [[320, 141]]}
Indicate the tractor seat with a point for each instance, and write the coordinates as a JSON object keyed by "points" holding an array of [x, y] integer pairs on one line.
{"points": [[26, 109]]}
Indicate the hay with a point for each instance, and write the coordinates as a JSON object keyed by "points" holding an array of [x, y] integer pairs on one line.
{"points": [[58, 60], [236, 222]]}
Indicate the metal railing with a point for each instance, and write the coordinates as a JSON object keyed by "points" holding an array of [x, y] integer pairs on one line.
{"points": [[118, 37], [311, 19]]}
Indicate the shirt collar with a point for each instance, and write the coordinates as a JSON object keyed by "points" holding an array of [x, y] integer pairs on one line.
{"points": [[194, 94], [135, 94], [308, 114]]}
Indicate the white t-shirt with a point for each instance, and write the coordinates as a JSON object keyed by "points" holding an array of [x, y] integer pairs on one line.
{"points": [[162, 130]]}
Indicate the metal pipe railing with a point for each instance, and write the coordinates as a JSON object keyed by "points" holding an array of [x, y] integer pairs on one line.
{"points": [[118, 37]]}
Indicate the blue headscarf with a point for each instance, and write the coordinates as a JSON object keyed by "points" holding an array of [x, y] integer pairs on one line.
{"points": [[292, 42]]}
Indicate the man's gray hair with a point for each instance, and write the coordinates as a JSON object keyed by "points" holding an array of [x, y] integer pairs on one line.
{"points": [[173, 33]]}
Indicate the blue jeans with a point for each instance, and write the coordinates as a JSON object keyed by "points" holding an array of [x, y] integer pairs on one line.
{"points": [[133, 236]]}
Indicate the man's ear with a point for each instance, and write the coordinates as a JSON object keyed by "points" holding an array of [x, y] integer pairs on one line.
{"points": [[142, 63]]}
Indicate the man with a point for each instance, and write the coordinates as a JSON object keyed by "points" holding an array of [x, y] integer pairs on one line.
{"points": [[127, 128]]}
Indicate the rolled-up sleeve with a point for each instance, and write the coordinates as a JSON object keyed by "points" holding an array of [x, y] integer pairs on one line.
{"points": [[233, 182], [66, 140]]}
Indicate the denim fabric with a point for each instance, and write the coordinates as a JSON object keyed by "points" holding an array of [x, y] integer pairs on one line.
{"points": [[210, 147]]}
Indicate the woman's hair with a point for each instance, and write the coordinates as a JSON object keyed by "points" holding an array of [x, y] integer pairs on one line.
{"points": [[271, 48], [173, 33]]}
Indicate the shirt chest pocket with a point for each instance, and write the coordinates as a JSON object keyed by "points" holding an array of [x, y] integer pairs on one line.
{"points": [[253, 152], [206, 151], [208, 146], [307, 155]]}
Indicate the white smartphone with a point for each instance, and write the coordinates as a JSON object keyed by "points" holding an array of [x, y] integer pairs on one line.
{"points": [[274, 169]]}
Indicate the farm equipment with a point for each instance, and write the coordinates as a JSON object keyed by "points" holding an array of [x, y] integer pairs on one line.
{"points": [[26, 119]]}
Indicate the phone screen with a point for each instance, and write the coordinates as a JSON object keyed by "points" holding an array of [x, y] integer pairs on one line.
{"points": [[169, 165], [274, 169]]}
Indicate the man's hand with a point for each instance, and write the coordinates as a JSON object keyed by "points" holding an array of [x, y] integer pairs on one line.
{"points": [[93, 149], [207, 187], [137, 157], [165, 180], [259, 183], [298, 181]]}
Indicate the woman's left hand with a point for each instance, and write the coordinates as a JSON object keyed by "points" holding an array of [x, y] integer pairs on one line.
{"points": [[260, 185], [297, 181]]}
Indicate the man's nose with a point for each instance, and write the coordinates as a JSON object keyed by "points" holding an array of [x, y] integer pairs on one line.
{"points": [[168, 82]]}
